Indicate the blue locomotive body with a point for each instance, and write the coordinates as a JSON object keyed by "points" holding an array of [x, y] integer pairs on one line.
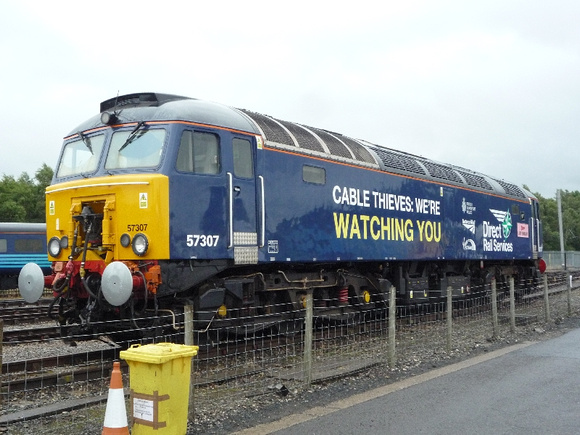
{"points": [[359, 214], [243, 214]]}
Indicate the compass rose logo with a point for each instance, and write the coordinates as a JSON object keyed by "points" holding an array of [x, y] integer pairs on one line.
{"points": [[505, 218]]}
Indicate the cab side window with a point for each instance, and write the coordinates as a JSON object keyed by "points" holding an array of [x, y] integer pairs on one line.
{"points": [[199, 153], [243, 158]]}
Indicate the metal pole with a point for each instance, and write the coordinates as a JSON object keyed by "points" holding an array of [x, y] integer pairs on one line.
{"points": [[494, 307], [546, 298], [512, 305], [561, 227], [308, 322], [449, 318], [569, 294], [391, 354]]}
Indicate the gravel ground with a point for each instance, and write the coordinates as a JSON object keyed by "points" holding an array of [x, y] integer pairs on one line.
{"points": [[418, 351]]}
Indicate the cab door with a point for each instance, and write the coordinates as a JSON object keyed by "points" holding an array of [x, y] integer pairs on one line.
{"points": [[243, 201]]}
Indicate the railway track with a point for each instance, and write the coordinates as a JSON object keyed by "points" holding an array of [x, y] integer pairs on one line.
{"points": [[16, 311], [30, 335], [58, 370], [33, 374]]}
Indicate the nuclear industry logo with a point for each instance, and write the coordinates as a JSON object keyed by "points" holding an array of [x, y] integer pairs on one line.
{"points": [[505, 218], [467, 206]]}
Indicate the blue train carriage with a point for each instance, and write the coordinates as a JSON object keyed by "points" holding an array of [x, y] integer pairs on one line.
{"points": [[21, 243], [161, 200]]}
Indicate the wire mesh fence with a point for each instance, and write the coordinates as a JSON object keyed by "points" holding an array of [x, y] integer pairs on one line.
{"points": [[68, 379]]}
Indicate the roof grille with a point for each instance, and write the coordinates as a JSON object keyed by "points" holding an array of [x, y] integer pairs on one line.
{"points": [[303, 136], [475, 180], [272, 130], [442, 172], [400, 162], [511, 189]]}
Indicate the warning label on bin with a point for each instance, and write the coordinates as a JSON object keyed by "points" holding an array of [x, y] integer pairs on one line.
{"points": [[143, 409]]}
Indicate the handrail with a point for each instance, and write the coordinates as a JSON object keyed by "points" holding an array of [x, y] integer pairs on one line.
{"points": [[230, 210], [262, 213]]}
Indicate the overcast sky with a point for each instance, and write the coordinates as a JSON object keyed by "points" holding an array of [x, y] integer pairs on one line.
{"points": [[492, 86]]}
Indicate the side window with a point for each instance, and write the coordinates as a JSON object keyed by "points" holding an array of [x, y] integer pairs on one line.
{"points": [[313, 174], [3, 245], [243, 158], [198, 153], [516, 211], [29, 245]]}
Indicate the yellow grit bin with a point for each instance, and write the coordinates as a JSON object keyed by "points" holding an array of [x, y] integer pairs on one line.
{"points": [[159, 376]]}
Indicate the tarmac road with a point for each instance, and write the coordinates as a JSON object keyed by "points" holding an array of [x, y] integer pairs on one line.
{"points": [[530, 388]]}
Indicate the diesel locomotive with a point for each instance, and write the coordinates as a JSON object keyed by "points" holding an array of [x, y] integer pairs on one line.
{"points": [[160, 201]]}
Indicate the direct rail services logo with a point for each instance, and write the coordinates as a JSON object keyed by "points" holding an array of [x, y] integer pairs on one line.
{"points": [[492, 233]]}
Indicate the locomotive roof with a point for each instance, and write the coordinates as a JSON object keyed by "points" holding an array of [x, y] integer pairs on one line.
{"points": [[297, 138]]}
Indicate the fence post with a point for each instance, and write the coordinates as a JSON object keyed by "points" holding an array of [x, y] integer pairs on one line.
{"points": [[391, 354], [569, 295], [188, 324], [308, 322], [494, 307], [188, 340], [512, 305], [546, 299], [449, 318]]}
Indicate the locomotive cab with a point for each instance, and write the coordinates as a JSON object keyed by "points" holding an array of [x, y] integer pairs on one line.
{"points": [[138, 197]]}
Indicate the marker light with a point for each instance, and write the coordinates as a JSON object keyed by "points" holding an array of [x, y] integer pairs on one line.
{"points": [[108, 118], [542, 265], [125, 240], [54, 247], [140, 244]]}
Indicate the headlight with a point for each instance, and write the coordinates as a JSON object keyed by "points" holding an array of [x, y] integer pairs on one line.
{"points": [[64, 242], [140, 244], [54, 247], [125, 240]]}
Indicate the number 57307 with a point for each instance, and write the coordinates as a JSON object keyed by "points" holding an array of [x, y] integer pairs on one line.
{"points": [[203, 240]]}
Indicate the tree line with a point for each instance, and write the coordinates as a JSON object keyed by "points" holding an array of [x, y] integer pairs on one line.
{"points": [[570, 221], [22, 200]]}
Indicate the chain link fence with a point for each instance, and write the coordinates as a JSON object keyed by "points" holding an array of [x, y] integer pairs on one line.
{"points": [[567, 260], [274, 357]]}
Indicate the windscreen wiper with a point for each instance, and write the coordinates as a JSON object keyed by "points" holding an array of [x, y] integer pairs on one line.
{"points": [[87, 141], [132, 136]]}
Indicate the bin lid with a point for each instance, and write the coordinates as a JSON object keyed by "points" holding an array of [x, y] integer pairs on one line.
{"points": [[158, 353]]}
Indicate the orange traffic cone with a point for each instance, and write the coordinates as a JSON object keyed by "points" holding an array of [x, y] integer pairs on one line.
{"points": [[116, 413]]}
